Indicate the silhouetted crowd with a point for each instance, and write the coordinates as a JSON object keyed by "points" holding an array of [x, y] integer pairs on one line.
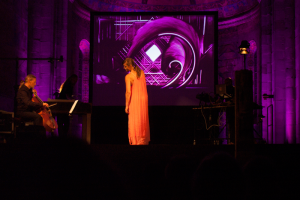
{"points": [[68, 168]]}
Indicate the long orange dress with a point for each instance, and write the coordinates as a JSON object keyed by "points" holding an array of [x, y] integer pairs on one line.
{"points": [[138, 119]]}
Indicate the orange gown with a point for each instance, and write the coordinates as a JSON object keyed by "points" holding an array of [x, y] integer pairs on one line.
{"points": [[138, 119]]}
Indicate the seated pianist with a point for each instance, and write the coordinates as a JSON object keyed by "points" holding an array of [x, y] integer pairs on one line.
{"points": [[66, 93]]}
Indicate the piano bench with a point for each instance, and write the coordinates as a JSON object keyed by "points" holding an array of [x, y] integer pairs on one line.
{"points": [[30, 133], [19, 122], [22, 126]]}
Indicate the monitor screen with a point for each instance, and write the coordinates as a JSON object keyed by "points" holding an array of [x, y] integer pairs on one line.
{"points": [[221, 90], [176, 51]]}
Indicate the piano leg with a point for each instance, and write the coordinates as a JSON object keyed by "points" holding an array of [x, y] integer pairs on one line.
{"points": [[86, 128]]}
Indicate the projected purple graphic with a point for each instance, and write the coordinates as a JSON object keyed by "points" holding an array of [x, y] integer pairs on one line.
{"points": [[175, 52]]}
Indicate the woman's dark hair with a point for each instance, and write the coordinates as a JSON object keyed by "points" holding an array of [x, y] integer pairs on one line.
{"points": [[69, 80], [130, 61]]}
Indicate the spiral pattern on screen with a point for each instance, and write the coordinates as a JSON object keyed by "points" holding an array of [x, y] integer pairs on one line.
{"points": [[182, 54]]}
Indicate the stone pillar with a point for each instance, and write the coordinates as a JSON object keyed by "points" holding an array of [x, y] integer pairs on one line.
{"points": [[85, 50], [266, 61], [290, 71], [40, 43], [60, 37], [278, 71], [22, 34], [243, 109], [297, 68], [13, 40], [47, 38]]}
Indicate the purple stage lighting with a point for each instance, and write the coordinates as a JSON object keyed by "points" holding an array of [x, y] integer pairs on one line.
{"points": [[153, 53], [100, 79]]}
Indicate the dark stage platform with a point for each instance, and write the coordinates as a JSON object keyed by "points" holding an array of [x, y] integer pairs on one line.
{"points": [[168, 125]]}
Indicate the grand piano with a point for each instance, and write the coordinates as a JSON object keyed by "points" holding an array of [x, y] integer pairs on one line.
{"points": [[74, 107]]}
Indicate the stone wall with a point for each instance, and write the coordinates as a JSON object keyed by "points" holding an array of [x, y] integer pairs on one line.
{"points": [[229, 59], [78, 30], [14, 34], [47, 38], [32, 29], [297, 68], [280, 69]]}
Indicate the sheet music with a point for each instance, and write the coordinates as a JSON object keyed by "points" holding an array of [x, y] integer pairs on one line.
{"points": [[73, 107]]}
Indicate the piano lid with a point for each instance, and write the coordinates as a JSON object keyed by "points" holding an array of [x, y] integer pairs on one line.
{"points": [[64, 106], [60, 100]]}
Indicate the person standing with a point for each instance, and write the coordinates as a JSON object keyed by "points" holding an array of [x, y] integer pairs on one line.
{"points": [[136, 104]]}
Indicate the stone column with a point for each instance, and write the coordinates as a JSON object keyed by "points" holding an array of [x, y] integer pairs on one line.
{"points": [[13, 40], [47, 37], [40, 43], [297, 68], [266, 61], [60, 37], [278, 71], [290, 71], [243, 109]]}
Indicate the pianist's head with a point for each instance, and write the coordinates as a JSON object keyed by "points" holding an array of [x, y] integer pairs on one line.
{"points": [[72, 79]]}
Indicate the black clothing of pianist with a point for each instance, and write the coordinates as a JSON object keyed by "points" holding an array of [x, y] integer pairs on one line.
{"points": [[63, 120]]}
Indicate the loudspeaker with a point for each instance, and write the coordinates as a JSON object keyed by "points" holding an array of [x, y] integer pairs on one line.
{"points": [[244, 107]]}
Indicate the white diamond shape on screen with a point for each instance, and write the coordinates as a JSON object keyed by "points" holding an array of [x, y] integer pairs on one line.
{"points": [[153, 53]]}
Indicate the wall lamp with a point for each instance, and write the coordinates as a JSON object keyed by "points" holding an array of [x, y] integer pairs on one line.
{"points": [[244, 50], [244, 47]]}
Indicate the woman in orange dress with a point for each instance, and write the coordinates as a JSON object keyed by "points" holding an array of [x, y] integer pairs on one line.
{"points": [[136, 104]]}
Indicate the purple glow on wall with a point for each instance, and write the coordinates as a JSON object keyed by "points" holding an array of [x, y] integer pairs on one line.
{"points": [[290, 118], [84, 46], [101, 79], [253, 46]]}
